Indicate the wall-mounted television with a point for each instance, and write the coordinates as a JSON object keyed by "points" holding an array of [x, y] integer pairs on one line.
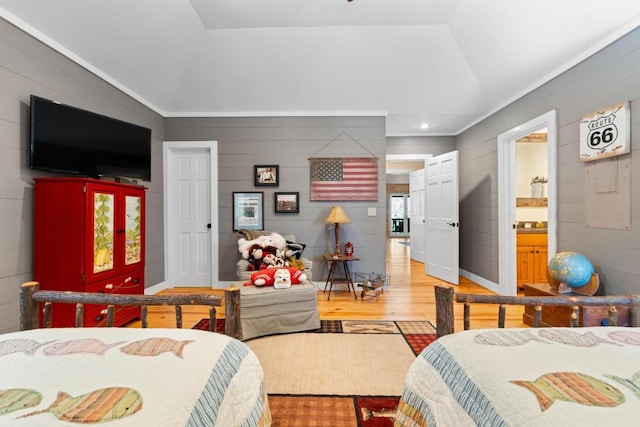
{"points": [[71, 140]]}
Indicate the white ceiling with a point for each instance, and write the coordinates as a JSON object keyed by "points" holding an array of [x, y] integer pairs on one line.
{"points": [[449, 63]]}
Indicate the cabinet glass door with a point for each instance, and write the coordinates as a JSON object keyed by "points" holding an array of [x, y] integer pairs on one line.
{"points": [[103, 231], [133, 246]]}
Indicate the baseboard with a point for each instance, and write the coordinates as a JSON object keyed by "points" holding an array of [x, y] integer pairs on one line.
{"points": [[164, 285], [479, 280], [224, 284], [156, 288]]}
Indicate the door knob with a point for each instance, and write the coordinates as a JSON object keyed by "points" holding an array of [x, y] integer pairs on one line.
{"points": [[452, 224], [209, 225]]}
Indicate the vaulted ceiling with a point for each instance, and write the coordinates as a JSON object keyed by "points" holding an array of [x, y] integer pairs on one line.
{"points": [[448, 63]]}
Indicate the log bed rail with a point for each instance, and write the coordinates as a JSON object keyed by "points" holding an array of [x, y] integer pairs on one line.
{"points": [[31, 296], [445, 298]]}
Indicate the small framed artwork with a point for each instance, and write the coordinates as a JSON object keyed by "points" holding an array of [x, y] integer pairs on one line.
{"points": [[287, 202], [248, 210], [266, 175]]}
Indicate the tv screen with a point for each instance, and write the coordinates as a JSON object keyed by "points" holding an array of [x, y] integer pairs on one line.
{"points": [[71, 140]]}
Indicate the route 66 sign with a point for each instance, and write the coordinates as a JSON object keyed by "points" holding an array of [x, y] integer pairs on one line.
{"points": [[605, 133]]}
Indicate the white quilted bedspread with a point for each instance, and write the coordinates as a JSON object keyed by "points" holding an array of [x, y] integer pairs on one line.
{"points": [[526, 377], [132, 377]]}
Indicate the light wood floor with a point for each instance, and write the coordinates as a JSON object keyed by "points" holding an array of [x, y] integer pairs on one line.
{"points": [[410, 296]]}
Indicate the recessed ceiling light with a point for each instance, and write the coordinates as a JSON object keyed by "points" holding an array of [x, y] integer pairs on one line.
{"points": [[424, 126]]}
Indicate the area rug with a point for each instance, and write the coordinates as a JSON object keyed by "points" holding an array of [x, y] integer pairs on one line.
{"points": [[331, 411], [418, 334], [347, 373]]}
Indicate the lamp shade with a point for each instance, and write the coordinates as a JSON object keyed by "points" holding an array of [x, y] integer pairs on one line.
{"points": [[337, 216]]}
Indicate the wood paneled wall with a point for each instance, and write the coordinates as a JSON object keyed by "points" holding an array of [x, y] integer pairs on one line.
{"points": [[289, 142], [608, 77], [29, 67]]}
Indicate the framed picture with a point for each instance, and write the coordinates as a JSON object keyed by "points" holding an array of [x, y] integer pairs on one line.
{"points": [[266, 175], [287, 202], [248, 210]]}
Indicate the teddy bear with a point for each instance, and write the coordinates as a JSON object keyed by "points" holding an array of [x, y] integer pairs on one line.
{"points": [[245, 246], [255, 259], [274, 240], [279, 278], [269, 259]]}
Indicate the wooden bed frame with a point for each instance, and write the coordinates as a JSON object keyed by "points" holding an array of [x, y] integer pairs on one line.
{"points": [[446, 296], [31, 298]]}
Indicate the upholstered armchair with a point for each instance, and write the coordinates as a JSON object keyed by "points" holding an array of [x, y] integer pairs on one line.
{"points": [[247, 265]]}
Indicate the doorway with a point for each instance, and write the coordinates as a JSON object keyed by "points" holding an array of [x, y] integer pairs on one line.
{"points": [[507, 198], [531, 208], [191, 213], [399, 206]]}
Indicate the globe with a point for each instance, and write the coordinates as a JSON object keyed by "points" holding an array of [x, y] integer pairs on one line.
{"points": [[571, 268]]}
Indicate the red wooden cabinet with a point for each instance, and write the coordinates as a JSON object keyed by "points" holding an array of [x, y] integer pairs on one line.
{"points": [[89, 237]]}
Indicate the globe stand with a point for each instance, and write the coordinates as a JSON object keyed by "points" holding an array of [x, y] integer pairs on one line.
{"points": [[587, 290]]}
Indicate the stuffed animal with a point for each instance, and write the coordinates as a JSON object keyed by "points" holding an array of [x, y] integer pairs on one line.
{"points": [[297, 264], [276, 240], [269, 259], [244, 245], [279, 278]]}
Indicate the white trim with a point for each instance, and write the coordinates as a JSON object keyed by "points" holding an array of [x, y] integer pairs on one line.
{"points": [[395, 135], [212, 146], [507, 195], [276, 114], [479, 280], [151, 290], [408, 157], [222, 284]]}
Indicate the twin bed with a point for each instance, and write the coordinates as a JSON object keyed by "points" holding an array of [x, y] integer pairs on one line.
{"points": [[128, 376], [525, 376]]}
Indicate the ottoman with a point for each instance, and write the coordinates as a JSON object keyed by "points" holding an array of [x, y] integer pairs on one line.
{"points": [[267, 311]]}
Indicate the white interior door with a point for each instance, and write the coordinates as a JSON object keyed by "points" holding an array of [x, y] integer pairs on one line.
{"points": [[416, 216], [191, 205], [442, 218]]}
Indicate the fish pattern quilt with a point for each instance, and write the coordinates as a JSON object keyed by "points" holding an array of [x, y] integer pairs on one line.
{"points": [[129, 377], [534, 377]]}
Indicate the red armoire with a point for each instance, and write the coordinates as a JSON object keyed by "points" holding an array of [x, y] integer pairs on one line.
{"points": [[89, 237]]}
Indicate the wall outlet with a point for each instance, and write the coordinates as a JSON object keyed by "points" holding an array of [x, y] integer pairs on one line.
{"points": [[371, 212]]}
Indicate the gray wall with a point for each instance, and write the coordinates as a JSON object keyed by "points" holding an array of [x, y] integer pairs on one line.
{"points": [[29, 67], [435, 145], [289, 142], [609, 77]]}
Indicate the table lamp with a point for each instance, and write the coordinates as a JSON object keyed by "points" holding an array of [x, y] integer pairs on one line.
{"points": [[337, 216]]}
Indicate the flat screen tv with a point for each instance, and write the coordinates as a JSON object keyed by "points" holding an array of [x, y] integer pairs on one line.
{"points": [[75, 141]]}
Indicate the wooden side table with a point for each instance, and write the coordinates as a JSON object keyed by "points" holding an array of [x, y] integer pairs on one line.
{"points": [[333, 261]]}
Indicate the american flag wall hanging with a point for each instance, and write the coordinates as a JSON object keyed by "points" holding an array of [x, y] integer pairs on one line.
{"points": [[350, 178]]}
